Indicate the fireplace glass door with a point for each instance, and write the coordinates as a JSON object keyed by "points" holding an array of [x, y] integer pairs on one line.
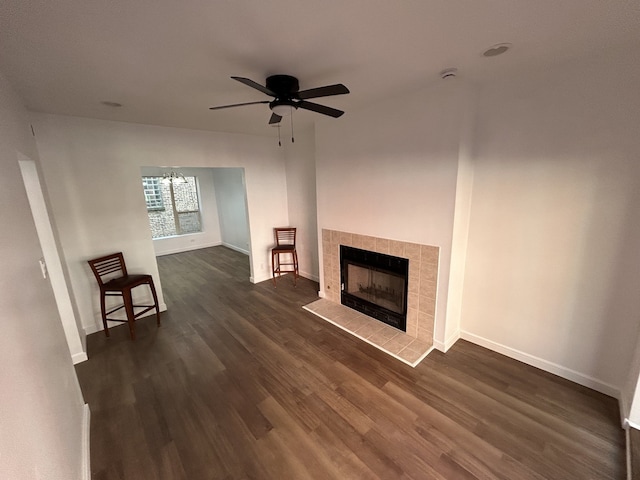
{"points": [[382, 288]]}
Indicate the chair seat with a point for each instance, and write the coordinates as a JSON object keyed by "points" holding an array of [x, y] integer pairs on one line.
{"points": [[127, 281], [284, 248]]}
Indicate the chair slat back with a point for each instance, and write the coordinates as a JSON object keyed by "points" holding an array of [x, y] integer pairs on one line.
{"points": [[108, 267], [285, 236]]}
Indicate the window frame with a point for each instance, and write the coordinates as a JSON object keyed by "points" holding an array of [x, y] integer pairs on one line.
{"points": [[179, 231]]}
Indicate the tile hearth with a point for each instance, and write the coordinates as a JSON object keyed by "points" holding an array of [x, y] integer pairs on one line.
{"points": [[392, 341], [410, 346]]}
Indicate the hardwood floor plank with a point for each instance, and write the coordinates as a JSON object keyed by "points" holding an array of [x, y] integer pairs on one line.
{"points": [[170, 466], [414, 460], [297, 439], [634, 440], [346, 462], [241, 383], [451, 469], [470, 451], [376, 459], [245, 404], [280, 460], [349, 412]]}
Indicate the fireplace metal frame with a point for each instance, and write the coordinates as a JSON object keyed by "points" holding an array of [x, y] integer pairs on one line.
{"points": [[380, 262]]}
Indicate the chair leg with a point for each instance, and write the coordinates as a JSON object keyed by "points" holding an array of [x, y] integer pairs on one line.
{"points": [[155, 301], [128, 306], [103, 309], [273, 267], [295, 268]]}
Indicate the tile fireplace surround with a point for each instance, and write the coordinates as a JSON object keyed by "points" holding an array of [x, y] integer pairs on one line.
{"points": [[410, 347]]}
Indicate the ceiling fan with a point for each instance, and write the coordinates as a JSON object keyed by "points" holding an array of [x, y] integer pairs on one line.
{"points": [[286, 96]]}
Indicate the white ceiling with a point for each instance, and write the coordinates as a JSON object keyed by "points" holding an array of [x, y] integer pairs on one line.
{"points": [[167, 61]]}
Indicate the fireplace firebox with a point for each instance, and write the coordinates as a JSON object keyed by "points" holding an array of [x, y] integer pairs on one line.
{"points": [[375, 284]]}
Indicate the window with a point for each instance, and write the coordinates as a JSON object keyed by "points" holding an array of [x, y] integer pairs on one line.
{"points": [[152, 193], [173, 208]]}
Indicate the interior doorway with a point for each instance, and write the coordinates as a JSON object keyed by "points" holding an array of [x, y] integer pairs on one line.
{"points": [[222, 209]]}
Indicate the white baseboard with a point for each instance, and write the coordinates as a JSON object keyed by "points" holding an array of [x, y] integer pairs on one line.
{"points": [[547, 366], [625, 411], [92, 329], [188, 248], [629, 424], [266, 277], [86, 442], [233, 247], [310, 276], [448, 343], [77, 358], [262, 278]]}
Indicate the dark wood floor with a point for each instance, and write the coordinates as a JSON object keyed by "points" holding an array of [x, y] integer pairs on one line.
{"points": [[240, 382], [634, 440]]}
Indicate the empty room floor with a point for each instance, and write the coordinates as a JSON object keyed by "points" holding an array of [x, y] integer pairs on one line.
{"points": [[240, 382]]}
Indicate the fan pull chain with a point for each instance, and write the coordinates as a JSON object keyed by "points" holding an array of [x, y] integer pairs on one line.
{"points": [[279, 142], [291, 117]]}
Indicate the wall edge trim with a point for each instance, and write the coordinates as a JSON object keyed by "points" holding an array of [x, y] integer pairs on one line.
{"points": [[188, 248], [233, 247], [550, 367], [448, 343], [77, 358], [309, 276], [86, 442]]}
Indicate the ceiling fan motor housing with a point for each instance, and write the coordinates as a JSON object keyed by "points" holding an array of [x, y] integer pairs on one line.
{"points": [[283, 85]]}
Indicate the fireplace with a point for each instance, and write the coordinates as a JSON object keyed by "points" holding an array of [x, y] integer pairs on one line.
{"points": [[375, 284]]}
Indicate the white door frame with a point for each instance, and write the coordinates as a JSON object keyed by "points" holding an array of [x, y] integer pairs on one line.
{"points": [[51, 257]]}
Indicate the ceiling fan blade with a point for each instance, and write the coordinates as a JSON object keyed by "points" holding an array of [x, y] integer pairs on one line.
{"points": [[275, 118], [314, 107], [237, 105], [329, 90], [250, 83]]}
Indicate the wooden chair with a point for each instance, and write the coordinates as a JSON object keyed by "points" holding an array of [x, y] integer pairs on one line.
{"points": [[285, 245], [113, 280]]}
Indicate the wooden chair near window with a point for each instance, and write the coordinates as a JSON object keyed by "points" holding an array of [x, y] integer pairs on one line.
{"points": [[285, 245], [111, 273]]}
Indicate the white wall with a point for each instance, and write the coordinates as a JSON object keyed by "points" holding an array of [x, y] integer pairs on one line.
{"points": [[531, 187], [301, 195], [210, 234], [409, 145], [41, 405], [92, 171], [553, 264], [232, 208], [53, 262], [461, 220]]}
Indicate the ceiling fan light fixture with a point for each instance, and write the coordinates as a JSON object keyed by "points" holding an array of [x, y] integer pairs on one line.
{"points": [[283, 108]]}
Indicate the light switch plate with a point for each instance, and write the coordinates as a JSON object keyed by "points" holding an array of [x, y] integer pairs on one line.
{"points": [[43, 267]]}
